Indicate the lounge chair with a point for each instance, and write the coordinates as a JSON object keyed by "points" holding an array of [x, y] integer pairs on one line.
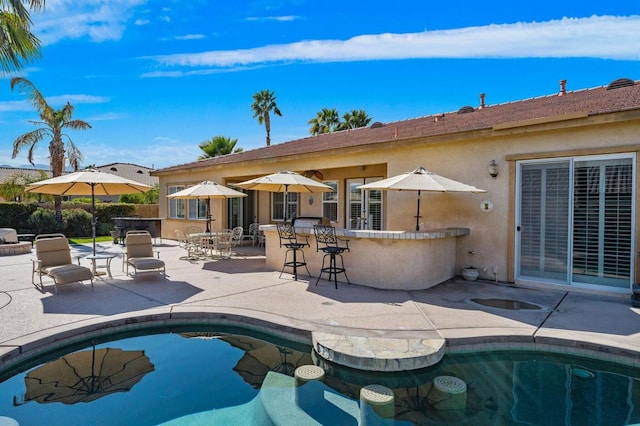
{"points": [[139, 254], [53, 259]]}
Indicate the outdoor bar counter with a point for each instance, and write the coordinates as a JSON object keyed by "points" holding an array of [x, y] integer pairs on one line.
{"points": [[391, 260]]}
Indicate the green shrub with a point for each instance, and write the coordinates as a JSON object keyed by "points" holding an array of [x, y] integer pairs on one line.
{"points": [[77, 223], [83, 200], [16, 216], [105, 213], [131, 198], [43, 221]]}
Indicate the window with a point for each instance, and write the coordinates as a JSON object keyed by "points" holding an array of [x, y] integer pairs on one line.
{"points": [[277, 205], [330, 201], [364, 208], [176, 207], [197, 209]]}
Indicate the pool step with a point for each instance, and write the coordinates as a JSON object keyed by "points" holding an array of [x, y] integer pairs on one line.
{"points": [[379, 353]]}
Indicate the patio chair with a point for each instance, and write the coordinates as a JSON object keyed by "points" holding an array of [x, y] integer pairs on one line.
{"points": [[140, 254], [332, 246], [194, 230], [53, 259], [252, 233], [187, 244], [294, 243], [224, 243], [236, 235]]}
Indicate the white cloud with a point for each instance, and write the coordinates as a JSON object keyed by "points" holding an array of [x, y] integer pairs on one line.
{"points": [[76, 99], [53, 101], [177, 74], [287, 18], [98, 20], [606, 37], [189, 37], [15, 106]]}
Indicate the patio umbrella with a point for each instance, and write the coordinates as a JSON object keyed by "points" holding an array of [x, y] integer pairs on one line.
{"points": [[86, 376], [207, 190], [88, 182], [420, 180], [285, 181]]}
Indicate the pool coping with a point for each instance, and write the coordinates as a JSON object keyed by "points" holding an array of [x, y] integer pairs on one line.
{"points": [[353, 310]]}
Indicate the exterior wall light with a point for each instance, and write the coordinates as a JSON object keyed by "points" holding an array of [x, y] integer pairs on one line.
{"points": [[493, 169]]}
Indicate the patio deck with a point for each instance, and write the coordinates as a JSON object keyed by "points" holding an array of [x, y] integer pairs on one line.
{"points": [[242, 291]]}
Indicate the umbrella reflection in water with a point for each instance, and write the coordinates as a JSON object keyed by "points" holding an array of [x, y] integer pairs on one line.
{"points": [[86, 376], [261, 357]]}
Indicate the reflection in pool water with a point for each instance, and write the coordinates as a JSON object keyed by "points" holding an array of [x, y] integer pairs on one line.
{"points": [[186, 377]]}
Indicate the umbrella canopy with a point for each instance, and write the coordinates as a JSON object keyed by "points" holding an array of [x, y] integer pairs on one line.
{"points": [[285, 181], [421, 180], [207, 190], [88, 182], [86, 376]]}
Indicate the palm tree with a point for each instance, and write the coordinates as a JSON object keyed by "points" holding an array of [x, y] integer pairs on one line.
{"points": [[326, 121], [354, 119], [53, 122], [217, 146], [264, 102], [17, 43]]}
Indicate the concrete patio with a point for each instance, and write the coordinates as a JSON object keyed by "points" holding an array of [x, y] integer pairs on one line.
{"points": [[373, 329]]}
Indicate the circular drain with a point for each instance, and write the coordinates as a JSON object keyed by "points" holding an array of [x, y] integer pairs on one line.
{"points": [[582, 373], [510, 304]]}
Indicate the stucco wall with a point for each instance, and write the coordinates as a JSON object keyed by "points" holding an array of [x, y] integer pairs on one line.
{"points": [[465, 158]]}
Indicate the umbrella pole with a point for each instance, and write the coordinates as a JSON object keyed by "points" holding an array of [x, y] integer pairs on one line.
{"points": [[418, 214], [208, 228], [93, 218], [286, 207]]}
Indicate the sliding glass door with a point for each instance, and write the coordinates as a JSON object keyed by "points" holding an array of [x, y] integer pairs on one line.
{"points": [[544, 220], [575, 221]]}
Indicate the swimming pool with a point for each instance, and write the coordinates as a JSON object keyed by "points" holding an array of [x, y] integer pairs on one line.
{"points": [[230, 376]]}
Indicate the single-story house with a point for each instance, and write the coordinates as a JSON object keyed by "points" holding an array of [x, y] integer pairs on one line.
{"points": [[560, 173], [130, 171]]}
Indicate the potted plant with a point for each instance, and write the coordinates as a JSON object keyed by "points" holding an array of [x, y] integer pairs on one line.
{"points": [[470, 273]]}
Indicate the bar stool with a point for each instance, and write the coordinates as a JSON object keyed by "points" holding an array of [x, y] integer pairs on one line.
{"points": [[326, 235], [289, 239]]}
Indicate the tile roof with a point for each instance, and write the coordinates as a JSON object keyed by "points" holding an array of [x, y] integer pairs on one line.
{"points": [[578, 103], [126, 170], [8, 172], [130, 171]]}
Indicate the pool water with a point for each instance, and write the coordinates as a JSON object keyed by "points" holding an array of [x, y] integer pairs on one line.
{"points": [[184, 377]]}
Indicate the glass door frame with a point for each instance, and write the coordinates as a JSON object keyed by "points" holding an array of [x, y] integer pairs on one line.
{"points": [[570, 225], [363, 222]]}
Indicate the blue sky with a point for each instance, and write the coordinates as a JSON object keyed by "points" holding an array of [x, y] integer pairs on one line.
{"points": [[156, 78]]}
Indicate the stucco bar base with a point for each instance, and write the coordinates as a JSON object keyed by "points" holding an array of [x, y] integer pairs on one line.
{"points": [[390, 260]]}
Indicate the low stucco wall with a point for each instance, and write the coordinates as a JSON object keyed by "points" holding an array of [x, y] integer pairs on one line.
{"points": [[389, 260]]}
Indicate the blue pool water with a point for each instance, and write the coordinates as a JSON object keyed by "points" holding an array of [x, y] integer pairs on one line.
{"points": [[187, 377]]}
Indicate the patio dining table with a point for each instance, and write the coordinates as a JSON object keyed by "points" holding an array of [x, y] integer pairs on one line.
{"points": [[212, 244]]}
